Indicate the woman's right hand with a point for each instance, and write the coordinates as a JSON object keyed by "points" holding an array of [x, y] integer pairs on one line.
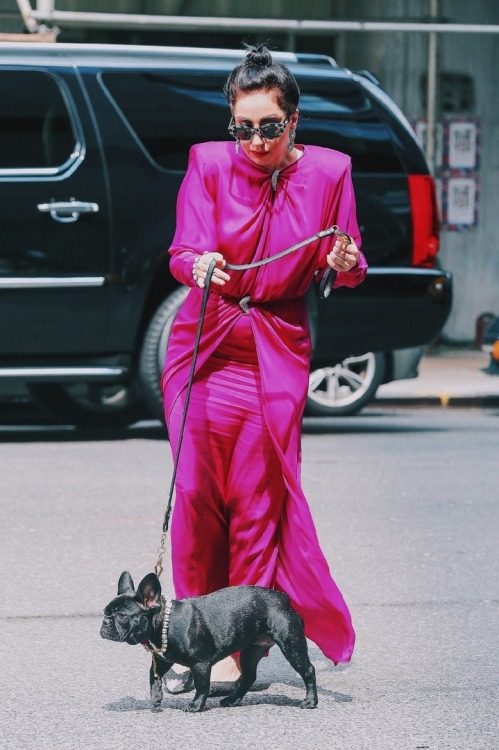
{"points": [[200, 269]]}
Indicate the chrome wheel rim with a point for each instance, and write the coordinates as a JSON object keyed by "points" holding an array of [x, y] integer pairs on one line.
{"points": [[344, 383]]}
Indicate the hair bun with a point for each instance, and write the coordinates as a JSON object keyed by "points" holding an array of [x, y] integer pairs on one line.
{"points": [[257, 71], [259, 56]]}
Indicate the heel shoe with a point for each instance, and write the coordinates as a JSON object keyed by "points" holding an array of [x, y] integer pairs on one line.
{"points": [[179, 683]]}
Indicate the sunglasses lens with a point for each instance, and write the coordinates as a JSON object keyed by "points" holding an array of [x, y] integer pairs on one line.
{"points": [[245, 134], [271, 130], [242, 132]]}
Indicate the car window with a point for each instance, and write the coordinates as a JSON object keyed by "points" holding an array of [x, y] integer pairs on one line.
{"points": [[169, 113], [339, 114], [35, 126]]}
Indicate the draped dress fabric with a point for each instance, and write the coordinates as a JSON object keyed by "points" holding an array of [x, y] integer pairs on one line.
{"points": [[240, 515]]}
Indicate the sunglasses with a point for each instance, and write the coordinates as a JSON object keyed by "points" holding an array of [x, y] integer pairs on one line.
{"points": [[267, 132]]}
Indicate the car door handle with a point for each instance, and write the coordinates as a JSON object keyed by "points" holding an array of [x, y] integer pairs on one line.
{"points": [[69, 211]]}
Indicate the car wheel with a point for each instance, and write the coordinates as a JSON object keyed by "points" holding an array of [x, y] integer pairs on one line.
{"points": [[152, 356], [90, 404], [346, 387]]}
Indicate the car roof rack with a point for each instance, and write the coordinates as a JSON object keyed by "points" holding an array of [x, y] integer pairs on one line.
{"points": [[370, 76], [313, 59]]}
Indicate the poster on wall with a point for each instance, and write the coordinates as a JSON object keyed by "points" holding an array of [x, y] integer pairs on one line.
{"points": [[462, 144], [457, 161], [461, 201]]}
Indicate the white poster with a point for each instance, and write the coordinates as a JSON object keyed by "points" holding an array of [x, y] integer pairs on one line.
{"points": [[462, 145], [461, 199]]}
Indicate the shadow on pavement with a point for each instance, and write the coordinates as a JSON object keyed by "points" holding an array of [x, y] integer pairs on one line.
{"points": [[154, 431], [30, 425], [254, 698], [37, 433], [372, 422]]}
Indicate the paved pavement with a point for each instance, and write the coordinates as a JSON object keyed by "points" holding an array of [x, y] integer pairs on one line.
{"points": [[448, 376], [405, 506]]}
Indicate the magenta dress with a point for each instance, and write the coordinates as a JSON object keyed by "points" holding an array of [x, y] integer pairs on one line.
{"points": [[240, 515]]}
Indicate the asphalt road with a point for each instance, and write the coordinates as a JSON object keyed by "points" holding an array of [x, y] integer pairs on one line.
{"points": [[406, 505]]}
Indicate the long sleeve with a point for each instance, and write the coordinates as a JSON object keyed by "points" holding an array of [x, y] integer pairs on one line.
{"points": [[343, 213], [196, 230], [353, 277], [347, 221]]}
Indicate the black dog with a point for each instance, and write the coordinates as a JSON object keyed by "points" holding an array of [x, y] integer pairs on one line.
{"points": [[203, 630]]}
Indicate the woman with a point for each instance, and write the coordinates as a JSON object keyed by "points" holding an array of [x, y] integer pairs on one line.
{"points": [[240, 515]]}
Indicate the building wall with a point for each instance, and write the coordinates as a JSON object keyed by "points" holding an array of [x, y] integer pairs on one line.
{"points": [[399, 59], [10, 18], [317, 9]]}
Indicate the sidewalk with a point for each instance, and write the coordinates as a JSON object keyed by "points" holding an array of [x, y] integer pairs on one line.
{"points": [[448, 376]]}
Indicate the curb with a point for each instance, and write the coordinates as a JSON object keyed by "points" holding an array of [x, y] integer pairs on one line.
{"points": [[442, 400]]}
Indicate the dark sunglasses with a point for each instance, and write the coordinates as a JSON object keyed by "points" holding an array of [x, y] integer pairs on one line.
{"points": [[267, 132]]}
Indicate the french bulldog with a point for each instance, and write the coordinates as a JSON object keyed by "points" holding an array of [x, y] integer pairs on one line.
{"points": [[202, 630]]}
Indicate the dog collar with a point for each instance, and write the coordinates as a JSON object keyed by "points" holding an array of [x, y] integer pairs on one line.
{"points": [[167, 609]]}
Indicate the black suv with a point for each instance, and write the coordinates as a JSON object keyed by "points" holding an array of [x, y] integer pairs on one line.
{"points": [[94, 142]]}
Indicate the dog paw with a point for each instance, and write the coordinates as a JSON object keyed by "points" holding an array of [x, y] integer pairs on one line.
{"points": [[229, 702], [308, 703], [194, 708]]}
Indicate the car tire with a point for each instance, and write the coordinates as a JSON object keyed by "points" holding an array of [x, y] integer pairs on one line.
{"points": [[89, 405], [153, 352], [345, 388]]}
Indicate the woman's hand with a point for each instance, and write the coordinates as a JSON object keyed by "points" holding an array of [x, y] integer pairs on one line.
{"points": [[200, 269], [343, 256]]}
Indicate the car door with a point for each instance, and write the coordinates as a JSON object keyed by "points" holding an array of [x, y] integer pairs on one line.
{"points": [[54, 236]]}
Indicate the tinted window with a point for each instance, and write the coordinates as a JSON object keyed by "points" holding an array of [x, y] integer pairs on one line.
{"points": [[35, 126], [339, 114], [168, 114]]}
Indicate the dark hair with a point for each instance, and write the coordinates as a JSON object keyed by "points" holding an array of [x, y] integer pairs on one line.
{"points": [[259, 71]]}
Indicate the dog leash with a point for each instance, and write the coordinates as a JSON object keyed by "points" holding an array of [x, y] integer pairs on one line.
{"points": [[324, 290], [329, 275]]}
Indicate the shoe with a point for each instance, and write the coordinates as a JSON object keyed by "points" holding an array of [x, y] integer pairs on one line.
{"points": [[179, 683]]}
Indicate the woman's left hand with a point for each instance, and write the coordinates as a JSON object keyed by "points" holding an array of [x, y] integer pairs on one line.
{"points": [[343, 256]]}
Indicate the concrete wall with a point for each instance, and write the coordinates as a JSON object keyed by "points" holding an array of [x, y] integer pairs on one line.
{"points": [[10, 19], [317, 9]]}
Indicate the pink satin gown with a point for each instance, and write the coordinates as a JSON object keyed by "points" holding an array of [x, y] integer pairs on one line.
{"points": [[240, 515]]}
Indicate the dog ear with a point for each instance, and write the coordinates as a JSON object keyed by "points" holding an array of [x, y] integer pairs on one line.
{"points": [[125, 584], [149, 592]]}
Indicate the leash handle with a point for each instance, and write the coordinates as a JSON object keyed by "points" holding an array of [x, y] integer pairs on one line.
{"points": [[330, 274]]}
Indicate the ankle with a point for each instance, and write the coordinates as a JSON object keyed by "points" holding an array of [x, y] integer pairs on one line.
{"points": [[227, 670]]}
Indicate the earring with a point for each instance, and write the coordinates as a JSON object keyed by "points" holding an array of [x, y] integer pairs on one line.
{"points": [[292, 135], [238, 145]]}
